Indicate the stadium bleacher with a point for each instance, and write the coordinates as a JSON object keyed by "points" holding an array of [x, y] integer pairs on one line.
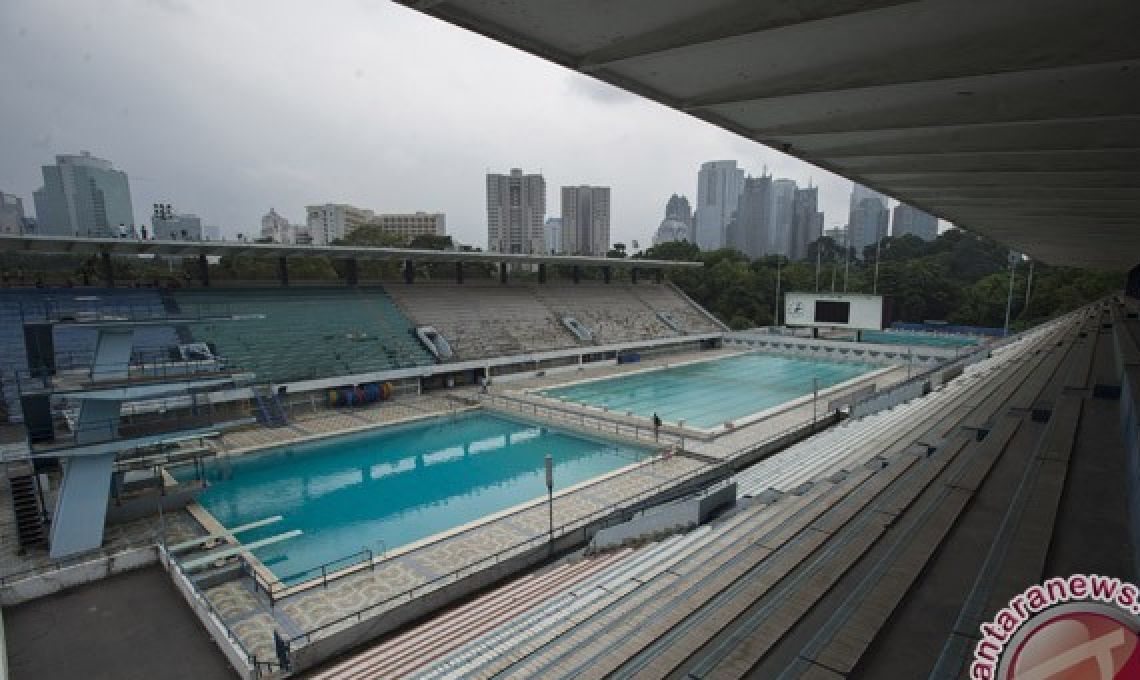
{"points": [[309, 332], [723, 600], [490, 319]]}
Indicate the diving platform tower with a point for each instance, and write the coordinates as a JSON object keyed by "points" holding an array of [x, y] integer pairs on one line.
{"points": [[113, 379]]}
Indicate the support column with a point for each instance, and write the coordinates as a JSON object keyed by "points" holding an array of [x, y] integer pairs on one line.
{"points": [[108, 273], [577, 274], [607, 273], [633, 275], [660, 275], [1132, 283], [283, 270], [203, 271], [409, 271], [352, 271], [459, 272], [502, 272], [542, 272]]}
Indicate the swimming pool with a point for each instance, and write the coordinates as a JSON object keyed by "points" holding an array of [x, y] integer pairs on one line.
{"points": [[397, 484], [707, 393], [926, 340]]}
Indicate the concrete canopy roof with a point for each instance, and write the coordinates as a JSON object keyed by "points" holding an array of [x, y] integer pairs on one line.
{"points": [[126, 246], [1017, 119]]}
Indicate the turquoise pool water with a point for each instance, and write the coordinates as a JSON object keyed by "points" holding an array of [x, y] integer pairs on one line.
{"points": [[892, 338], [708, 393], [397, 484]]}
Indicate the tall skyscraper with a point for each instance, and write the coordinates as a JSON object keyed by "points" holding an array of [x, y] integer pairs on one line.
{"points": [[750, 228], [910, 220], [718, 191], [869, 218], [331, 221], [585, 220], [516, 209], [276, 228], [83, 196], [677, 208], [553, 232], [11, 214], [783, 207], [678, 222], [807, 222]]}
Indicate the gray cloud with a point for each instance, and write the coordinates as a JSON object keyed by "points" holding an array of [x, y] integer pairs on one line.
{"points": [[226, 109]]}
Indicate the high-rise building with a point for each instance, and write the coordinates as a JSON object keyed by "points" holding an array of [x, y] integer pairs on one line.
{"points": [[331, 221], [83, 196], [678, 222], [910, 220], [167, 225], [869, 218], [807, 222], [585, 220], [553, 232], [410, 225], [11, 214], [677, 208], [749, 231], [276, 228], [718, 191], [783, 207], [516, 210]]}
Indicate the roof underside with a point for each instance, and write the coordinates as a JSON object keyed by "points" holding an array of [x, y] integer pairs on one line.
{"points": [[1017, 119]]}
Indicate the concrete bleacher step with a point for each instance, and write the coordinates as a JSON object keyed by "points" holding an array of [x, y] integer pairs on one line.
{"points": [[840, 644]]}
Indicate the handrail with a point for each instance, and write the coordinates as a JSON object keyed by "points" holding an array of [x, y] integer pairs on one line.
{"points": [[626, 504]]}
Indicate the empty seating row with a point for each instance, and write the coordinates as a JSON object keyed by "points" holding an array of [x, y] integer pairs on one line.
{"points": [[308, 333]]}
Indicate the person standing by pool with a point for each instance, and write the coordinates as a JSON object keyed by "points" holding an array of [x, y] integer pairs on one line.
{"points": [[656, 425]]}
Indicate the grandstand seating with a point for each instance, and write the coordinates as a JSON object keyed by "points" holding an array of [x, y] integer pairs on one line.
{"points": [[309, 332], [747, 579], [484, 320], [74, 345]]}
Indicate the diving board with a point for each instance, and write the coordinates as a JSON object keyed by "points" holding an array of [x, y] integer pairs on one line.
{"points": [[190, 565], [225, 533]]}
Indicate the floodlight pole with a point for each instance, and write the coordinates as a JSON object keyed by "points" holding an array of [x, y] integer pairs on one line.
{"points": [[1028, 283], [817, 264], [550, 493], [1009, 298], [878, 252]]}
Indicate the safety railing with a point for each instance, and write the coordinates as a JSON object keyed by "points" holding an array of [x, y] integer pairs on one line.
{"points": [[101, 312], [666, 434], [616, 511], [275, 589], [134, 372]]}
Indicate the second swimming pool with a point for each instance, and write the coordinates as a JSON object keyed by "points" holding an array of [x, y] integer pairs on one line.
{"points": [[708, 393]]}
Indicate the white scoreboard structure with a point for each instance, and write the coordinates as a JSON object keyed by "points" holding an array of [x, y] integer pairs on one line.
{"points": [[835, 310]]}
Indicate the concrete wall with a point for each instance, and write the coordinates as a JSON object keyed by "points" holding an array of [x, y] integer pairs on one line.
{"points": [[47, 583], [890, 398]]}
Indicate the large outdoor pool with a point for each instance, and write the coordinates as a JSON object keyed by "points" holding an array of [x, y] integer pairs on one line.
{"points": [[393, 486], [708, 393]]}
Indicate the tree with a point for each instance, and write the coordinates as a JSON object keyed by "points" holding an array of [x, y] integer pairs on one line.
{"points": [[617, 250], [432, 242]]}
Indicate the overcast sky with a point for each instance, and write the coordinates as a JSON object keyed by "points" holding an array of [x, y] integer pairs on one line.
{"points": [[226, 109]]}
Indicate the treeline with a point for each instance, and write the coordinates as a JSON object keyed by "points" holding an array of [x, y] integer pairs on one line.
{"points": [[959, 277]]}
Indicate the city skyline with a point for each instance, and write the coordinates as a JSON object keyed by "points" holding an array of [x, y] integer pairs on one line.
{"points": [[240, 133]]}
